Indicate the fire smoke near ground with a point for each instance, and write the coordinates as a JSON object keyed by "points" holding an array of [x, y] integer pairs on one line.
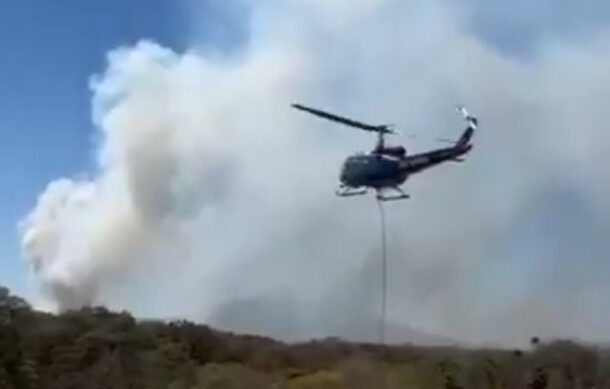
{"points": [[212, 200]]}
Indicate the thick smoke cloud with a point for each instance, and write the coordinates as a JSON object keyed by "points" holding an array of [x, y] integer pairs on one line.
{"points": [[212, 200], [520, 27]]}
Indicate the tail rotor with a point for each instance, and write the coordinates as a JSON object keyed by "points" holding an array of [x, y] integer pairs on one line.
{"points": [[472, 125], [472, 121]]}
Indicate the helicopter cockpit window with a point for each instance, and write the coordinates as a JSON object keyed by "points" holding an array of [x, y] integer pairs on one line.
{"points": [[359, 160]]}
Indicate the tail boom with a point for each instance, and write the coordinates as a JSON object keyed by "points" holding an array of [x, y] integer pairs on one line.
{"points": [[423, 161]]}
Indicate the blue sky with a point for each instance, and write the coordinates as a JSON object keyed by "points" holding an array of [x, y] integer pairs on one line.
{"points": [[49, 51]]}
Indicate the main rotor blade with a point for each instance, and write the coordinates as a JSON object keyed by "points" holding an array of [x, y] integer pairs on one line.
{"points": [[343, 120]]}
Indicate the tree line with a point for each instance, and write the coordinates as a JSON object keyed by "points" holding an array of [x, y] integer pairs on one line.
{"points": [[96, 348]]}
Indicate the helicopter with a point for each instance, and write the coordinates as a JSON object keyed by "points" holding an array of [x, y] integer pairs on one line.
{"points": [[386, 168]]}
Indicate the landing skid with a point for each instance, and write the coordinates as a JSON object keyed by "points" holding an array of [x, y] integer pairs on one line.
{"points": [[346, 192], [401, 195]]}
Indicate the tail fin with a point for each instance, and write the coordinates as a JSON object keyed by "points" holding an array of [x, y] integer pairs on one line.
{"points": [[465, 138]]}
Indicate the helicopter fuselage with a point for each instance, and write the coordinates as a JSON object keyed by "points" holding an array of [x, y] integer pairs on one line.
{"points": [[372, 170]]}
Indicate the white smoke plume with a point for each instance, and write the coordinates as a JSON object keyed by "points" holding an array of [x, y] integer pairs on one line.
{"points": [[212, 200]]}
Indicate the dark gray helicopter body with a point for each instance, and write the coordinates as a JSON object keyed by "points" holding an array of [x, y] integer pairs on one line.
{"points": [[388, 167]]}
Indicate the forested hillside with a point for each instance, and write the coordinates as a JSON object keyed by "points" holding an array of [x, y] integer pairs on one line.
{"points": [[96, 348]]}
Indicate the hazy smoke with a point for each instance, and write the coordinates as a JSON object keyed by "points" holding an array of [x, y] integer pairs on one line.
{"points": [[213, 200]]}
